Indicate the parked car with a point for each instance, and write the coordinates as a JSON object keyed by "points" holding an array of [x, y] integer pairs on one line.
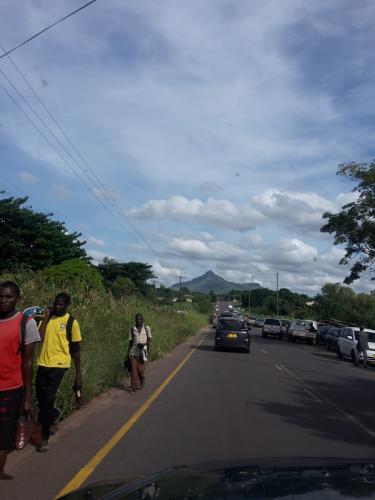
{"points": [[272, 326], [321, 334], [232, 333], [302, 329], [285, 324], [332, 337], [259, 322], [251, 320], [347, 342]]}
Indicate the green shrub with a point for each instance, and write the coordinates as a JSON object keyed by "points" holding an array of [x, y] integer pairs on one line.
{"points": [[73, 273]]}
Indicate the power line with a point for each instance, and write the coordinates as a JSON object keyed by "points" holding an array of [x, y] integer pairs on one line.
{"points": [[47, 28], [97, 182], [82, 180]]}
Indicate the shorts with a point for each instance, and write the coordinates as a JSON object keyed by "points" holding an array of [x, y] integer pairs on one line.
{"points": [[10, 406]]}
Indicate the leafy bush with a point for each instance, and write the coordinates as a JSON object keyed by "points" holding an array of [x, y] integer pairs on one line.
{"points": [[72, 274]]}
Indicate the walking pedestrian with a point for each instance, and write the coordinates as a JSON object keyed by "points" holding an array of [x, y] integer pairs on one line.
{"points": [[138, 351], [361, 347], [17, 341], [61, 337]]}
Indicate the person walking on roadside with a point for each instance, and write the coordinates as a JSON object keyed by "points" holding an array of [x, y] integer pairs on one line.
{"points": [[138, 351], [17, 341], [361, 347], [61, 338]]}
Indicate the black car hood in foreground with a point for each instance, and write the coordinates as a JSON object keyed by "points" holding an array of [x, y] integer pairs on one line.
{"points": [[310, 479]]}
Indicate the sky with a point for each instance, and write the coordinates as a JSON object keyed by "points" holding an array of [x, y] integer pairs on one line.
{"points": [[192, 135]]}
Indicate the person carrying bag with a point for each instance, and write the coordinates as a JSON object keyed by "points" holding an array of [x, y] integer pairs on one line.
{"points": [[137, 353]]}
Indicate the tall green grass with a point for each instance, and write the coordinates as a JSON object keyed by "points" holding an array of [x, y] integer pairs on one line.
{"points": [[105, 324]]}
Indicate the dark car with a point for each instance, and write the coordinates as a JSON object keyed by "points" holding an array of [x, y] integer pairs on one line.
{"points": [[321, 334], [332, 337], [323, 479], [232, 333]]}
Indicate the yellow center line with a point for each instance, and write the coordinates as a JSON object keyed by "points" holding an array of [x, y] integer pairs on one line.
{"points": [[89, 468]]}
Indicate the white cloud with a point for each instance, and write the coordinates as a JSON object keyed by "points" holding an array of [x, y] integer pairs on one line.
{"points": [[27, 177], [205, 250], [97, 256], [165, 271], [301, 211], [221, 213], [96, 242]]}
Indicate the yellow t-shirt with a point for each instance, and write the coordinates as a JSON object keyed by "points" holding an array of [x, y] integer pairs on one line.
{"points": [[54, 352]]}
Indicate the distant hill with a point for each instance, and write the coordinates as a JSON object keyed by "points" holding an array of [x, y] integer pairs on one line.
{"points": [[211, 281]]}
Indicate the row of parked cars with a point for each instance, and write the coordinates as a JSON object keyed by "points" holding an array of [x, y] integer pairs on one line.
{"points": [[297, 329], [336, 337], [233, 331], [343, 340]]}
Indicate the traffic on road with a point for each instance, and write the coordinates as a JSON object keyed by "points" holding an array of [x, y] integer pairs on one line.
{"points": [[347, 341]]}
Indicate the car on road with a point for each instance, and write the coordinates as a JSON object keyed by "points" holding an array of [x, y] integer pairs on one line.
{"points": [[251, 320], [322, 333], [232, 333], [272, 326], [285, 324], [347, 343], [259, 322], [332, 337], [301, 329]]}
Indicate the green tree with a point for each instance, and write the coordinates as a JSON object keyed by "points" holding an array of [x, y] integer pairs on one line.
{"points": [[123, 286], [354, 225], [139, 273], [32, 240], [76, 273], [335, 302]]}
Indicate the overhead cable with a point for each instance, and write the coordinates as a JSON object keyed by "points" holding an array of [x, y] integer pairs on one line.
{"points": [[96, 182], [46, 29]]}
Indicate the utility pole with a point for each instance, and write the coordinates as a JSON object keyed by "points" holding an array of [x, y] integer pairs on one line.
{"points": [[250, 290], [277, 294]]}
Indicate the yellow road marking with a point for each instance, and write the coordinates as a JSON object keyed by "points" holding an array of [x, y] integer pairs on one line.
{"points": [[89, 468]]}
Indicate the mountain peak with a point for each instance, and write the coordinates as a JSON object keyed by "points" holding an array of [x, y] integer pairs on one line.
{"points": [[211, 281]]}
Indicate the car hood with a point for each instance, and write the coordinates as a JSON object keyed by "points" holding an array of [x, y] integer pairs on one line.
{"points": [[305, 478]]}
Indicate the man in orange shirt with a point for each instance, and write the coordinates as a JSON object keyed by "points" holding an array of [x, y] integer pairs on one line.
{"points": [[16, 363]]}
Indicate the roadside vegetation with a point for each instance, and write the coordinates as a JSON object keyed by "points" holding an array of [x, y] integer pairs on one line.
{"points": [[105, 323]]}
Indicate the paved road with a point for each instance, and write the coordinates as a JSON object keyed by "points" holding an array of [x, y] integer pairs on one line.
{"points": [[281, 400]]}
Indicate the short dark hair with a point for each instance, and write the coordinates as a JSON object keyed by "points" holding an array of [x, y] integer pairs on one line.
{"points": [[13, 286], [63, 296], [139, 315]]}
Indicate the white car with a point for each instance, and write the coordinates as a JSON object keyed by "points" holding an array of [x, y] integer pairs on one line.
{"points": [[347, 342], [302, 329]]}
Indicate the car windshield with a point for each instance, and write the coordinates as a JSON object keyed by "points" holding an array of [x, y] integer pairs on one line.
{"points": [[232, 325], [371, 336], [269, 321]]}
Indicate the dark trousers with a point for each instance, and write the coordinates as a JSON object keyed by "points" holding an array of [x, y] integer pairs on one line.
{"points": [[47, 383]]}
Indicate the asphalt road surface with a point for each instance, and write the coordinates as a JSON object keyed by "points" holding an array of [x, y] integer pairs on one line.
{"points": [[281, 400]]}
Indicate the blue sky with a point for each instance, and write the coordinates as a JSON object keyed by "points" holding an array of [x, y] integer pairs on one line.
{"points": [[216, 126]]}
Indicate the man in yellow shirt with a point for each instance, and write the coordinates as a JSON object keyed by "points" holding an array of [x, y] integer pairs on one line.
{"points": [[61, 338]]}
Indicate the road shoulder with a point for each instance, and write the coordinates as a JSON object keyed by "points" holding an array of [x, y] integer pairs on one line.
{"points": [[83, 433]]}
